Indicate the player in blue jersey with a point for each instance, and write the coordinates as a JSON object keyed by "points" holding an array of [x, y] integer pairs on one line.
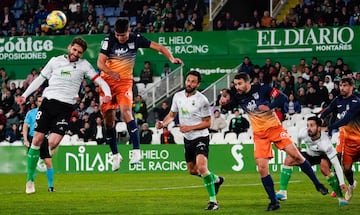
{"points": [[346, 108], [258, 101], [28, 133]]}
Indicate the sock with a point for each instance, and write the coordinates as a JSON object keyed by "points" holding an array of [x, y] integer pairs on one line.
{"points": [[306, 168], [134, 134], [50, 177], [111, 140], [349, 175], [285, 176], [334, 183], [209, 179], [268, 184], [32, 159]]}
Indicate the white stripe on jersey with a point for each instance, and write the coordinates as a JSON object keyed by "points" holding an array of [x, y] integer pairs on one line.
{"points": [[191, 111], [65, 78]]}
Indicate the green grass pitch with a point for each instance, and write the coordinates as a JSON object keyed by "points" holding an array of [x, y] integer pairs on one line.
{"points": [[161, 193]]}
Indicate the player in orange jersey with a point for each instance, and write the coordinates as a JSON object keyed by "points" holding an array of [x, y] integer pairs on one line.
{"points": [[116, 62], [258, 101]]}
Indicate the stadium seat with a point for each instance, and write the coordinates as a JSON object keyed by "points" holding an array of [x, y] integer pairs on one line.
{"points": [[17, 143], [18, 4], [112, 20], [132, 21], [91, 143], [156, 139], [178, 136], [244, 138], [231, 138], [99, 11], [4, 143], [293, 133], [109, 11], [66, 141], [217, 138], [118, 10]]}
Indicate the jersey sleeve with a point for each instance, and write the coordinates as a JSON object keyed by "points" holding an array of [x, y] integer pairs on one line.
{"points": [[205, 108], [174, 108], [47, 70], [90, 71], [142, 42], [105, 44]]}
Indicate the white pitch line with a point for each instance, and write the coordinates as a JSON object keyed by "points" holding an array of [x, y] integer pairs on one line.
{"points": [[158, 188]]}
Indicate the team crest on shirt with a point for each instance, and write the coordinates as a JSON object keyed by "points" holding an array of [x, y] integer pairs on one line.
{"points": [[131, 45], [255, 95]]}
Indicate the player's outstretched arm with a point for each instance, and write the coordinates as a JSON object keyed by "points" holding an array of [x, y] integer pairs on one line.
{"points": [[102, 66], [165, 52]]}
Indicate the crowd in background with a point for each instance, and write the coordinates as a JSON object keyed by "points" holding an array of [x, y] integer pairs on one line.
{"points": [[310, 83]]}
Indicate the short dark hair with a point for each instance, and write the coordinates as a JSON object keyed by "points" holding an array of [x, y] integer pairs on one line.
{"points": [[316, 119], [80, 42], [194, 73], [350, 81], [121, 25], [242, 75]]}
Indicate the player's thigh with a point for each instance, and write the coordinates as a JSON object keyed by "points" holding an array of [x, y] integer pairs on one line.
{"points": [[280, 137], [262, 147]]}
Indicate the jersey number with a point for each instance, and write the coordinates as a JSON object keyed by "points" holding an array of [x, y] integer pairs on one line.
{"points": [[38, 115]]}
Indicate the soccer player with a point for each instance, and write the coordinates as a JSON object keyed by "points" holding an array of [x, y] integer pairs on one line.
{"points": [[346, 107], [258, 101], [194, 116], [116, 62], [28, 133], [319, 150], [64, 74]]}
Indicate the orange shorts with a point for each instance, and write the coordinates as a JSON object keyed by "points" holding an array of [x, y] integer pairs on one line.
{"points": [[262, 141], [349, 144], [121, 92]]}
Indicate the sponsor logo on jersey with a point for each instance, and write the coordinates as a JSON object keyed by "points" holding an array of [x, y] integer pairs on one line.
{"points": [[131, 45], [120, 51], [105, 45]]}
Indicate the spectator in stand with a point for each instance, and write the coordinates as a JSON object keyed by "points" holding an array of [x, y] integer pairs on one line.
{"points": [[145, 134], [226, 93], [357, 82], [74, 125], [162, 111], [86, 132], [219, 26], [167, 137], [99, 132], [329, 84], [33, 74], [238, 124], [4, 78], [255, 18], [95, 114], [196, 22], [312, 99], [140, 110], [7, 19], [146, 74], [336, 90], [166, 71], [266, 19], [292, 106], [8, 100], [12, 118], [247, 66], [77, 16], [322, 92], [13, 134], [101, 22], [217, 122]]}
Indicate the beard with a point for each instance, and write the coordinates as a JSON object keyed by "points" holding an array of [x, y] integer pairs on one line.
{"points": [[189, 89]]}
